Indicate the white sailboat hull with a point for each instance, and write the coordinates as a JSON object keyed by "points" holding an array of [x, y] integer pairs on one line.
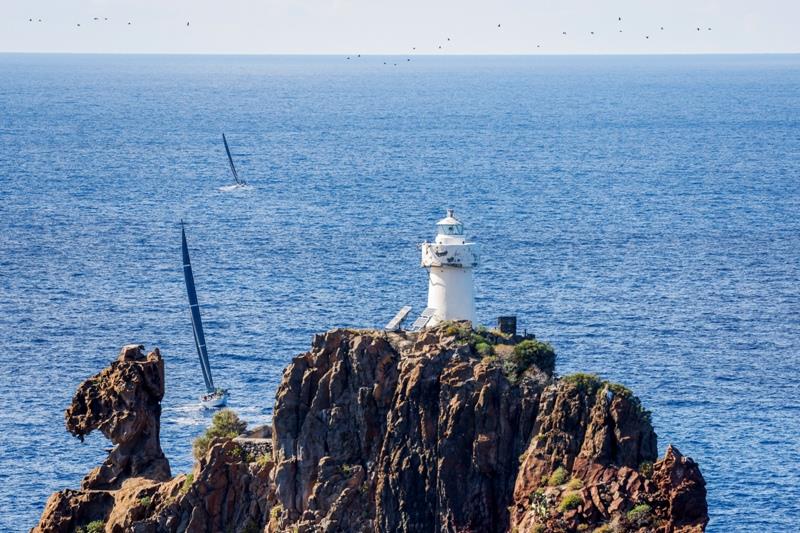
{"points": [[214, 401], [235, 187]]}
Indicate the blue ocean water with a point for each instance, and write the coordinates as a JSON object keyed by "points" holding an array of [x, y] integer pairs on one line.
{"points": [[641, 213]]}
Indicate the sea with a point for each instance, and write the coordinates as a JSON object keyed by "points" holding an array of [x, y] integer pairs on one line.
{"points": [[640, 213]]}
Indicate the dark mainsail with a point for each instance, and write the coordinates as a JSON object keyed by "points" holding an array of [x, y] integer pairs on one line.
{"points": [[197, 323], [239, 181]]}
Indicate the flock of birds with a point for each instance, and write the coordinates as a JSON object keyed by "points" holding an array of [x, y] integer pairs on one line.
{"points": [[95, 19], [438, 46]]}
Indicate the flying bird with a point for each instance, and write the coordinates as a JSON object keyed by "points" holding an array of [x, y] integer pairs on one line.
{"points": [[619, 19], [498, 25], [591, 32], [662, 28], [187, 24]]}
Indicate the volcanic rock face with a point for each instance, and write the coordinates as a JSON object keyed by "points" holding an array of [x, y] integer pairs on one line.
{"points": [[377, 431], [590, 462], [399, 432], [123, 402]]}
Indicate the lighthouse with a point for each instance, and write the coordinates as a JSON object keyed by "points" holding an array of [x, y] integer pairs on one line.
{"points": [[449, 261]]}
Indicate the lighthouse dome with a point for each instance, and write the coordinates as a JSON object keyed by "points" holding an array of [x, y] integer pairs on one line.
{"points": [[449, 225]]}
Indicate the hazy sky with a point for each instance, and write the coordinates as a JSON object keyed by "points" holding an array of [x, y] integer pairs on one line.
{"points": [[383, 26]]}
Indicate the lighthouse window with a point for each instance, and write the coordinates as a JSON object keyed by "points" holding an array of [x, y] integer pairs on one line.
{"points": [[453, 229]]}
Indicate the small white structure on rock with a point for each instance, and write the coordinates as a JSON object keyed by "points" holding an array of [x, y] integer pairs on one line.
{"points": [[449, 261]]}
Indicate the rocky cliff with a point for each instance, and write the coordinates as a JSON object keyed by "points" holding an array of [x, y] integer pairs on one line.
{"points": [[443, 430]]}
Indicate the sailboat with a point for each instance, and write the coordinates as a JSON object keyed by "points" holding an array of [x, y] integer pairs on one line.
{"points": [[214, 397], [240, 183]]}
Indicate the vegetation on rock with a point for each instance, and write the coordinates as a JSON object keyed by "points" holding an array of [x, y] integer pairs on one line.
{"points": [[224, 425], [575, 484], [593, 384], [264, 459], [639, 513], [558, 477], [531, 352], [187, 483], [96, 526], [571, 500]]}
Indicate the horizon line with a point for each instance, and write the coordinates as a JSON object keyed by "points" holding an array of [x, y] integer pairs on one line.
{"points": [[416, 54]]}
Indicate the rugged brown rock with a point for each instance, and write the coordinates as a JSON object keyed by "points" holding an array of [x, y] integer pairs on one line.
{"points": [[590, 463], [399, 432], [123, 401], [377, 431]]}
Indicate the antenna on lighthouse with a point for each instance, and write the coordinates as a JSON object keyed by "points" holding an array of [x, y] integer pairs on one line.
{"points": [[449, 260]]}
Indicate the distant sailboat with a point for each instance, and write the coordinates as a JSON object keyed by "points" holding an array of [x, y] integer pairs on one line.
{"points": [[214, 397], [240, 183]]}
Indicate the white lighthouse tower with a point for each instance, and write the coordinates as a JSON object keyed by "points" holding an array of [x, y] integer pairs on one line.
{"points": [[449, 261]]}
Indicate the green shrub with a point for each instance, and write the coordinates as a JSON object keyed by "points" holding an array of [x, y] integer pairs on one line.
{"points": [[529, 353], [539, 528], [575, 484], [225, 424], [95, 526], [187, 483], [484, 349], [558, 477], [264, 459], [584, 382], [605, 528], [571, 500], [638, 513], [456, 329], [646, 469], [145, 501]]}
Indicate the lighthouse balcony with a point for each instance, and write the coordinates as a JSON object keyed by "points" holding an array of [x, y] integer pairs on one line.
{"points": [[455, 255]]}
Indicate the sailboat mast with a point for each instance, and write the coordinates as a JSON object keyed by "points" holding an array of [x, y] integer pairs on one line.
{"points": [[194, 308], [230, 161]]}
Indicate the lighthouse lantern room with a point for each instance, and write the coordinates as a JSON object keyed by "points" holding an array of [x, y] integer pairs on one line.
{"points": [[449, 261]]}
